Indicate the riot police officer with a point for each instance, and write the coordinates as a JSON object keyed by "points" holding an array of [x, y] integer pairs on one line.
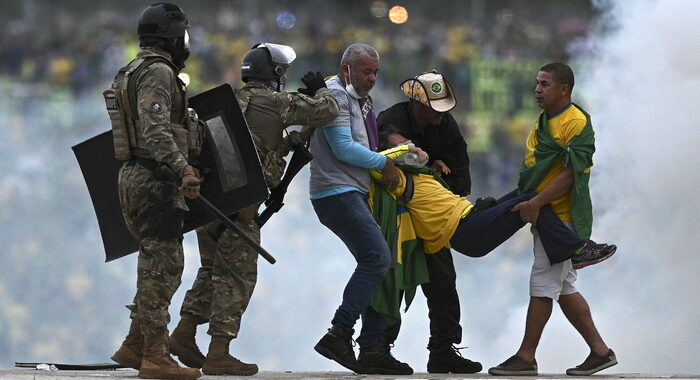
{"points": [[155, 135], [228, 272]]}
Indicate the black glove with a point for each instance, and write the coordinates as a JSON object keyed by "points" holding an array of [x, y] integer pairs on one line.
{"points": [[484, 202], [313, 82]]}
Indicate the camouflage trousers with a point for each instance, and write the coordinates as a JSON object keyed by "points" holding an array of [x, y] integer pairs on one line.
{"points": [[148, 206], [226, 279]]}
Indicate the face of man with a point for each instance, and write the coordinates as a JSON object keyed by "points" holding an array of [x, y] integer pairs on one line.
{"points": [[395, 139], [425, 115], [550, 95], [363, 74]]}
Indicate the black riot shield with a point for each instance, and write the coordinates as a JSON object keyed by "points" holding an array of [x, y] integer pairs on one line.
{"points": [[233, 175]]}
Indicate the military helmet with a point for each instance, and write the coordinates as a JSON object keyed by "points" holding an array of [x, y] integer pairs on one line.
{"points": [[162, 20], [266, 61]]}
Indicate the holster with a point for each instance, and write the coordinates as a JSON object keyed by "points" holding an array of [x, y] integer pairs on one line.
{"points": [[161, 219]]}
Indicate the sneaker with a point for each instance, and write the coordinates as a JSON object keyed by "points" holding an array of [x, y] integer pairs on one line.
{"points": [[450, 360], [593, 364], [515, 366], [592, 253], [377, 360], [337, 345]]}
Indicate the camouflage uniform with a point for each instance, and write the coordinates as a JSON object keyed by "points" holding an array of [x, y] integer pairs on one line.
{"points": [[154, 208], [228, 274]]}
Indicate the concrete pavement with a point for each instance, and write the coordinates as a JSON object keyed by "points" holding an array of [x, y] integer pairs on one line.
{"points": [[33, 374]]}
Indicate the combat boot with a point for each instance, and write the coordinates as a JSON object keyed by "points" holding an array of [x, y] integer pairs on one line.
{"points": [[219, 362], [131, 351], [157, 363], [183, 344]]}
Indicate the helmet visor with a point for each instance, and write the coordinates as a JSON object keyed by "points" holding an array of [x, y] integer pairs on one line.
{"points": [[186, 41], [281, 54]]}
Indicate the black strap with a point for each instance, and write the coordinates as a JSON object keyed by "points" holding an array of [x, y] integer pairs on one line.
{"points": [[131, 90], [407, 192]]}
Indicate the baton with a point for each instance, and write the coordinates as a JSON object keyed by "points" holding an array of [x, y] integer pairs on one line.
{"points": [[225, 220], [169, 173]]}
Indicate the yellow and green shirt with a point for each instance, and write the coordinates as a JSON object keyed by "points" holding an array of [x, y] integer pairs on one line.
{"points": [[435, 211], [563, 126]]}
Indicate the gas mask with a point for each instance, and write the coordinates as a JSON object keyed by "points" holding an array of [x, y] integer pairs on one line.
{"points": [[181, 51]]}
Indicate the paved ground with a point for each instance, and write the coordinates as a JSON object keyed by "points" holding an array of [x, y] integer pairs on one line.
{"points": [[32, 374]]}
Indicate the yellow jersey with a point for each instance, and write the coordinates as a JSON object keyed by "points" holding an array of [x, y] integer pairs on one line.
{"points": [[435, 211], [563, 126]]}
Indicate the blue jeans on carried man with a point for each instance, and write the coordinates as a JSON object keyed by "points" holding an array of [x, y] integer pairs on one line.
{"points": [[349, 217]]}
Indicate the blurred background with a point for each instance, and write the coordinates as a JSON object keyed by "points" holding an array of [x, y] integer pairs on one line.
{"points": [[636, 65]]}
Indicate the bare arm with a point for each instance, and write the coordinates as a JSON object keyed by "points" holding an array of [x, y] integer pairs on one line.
{"points": [[530, 210]]}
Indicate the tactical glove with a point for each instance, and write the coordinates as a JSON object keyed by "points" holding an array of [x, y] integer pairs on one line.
{"points": [[293, 139], [313, 82], [296, 138], [190, 183], [484, 202]]}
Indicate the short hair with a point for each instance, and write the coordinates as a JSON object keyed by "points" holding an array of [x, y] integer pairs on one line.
{"points": [[384, 132], [355, 51], [561, 73]]}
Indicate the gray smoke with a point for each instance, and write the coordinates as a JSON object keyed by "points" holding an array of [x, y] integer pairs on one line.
{"points": [[642, 91]]}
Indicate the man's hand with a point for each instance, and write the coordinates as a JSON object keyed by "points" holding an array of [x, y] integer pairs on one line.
{"points": [[296, 138], [440, 167], [529, 211], [313, 82], [422, 155], [190, 183], [390, 178]]}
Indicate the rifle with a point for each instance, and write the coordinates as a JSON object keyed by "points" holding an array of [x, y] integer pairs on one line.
{"points": [[274, 203], [221, 216]]}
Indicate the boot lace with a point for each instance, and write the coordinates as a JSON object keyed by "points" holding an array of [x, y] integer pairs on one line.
{"points": [[456, 350]]}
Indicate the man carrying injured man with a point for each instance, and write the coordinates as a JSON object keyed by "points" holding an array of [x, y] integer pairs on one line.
{"points": [[440, 217]]}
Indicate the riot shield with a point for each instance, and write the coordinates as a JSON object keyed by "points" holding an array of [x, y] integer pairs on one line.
{"points": [[233, 174]]}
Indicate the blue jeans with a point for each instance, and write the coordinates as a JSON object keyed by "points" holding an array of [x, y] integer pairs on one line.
{"points": [[349, 217]]}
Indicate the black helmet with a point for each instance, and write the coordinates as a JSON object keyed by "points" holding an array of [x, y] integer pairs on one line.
{"points": [[162, 20], [267, 61]]}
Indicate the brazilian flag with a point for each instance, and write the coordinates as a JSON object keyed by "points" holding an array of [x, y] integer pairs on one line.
{"points": [[408, 269], [579, 153]]}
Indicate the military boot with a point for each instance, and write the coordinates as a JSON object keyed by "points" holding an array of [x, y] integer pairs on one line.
{"points": [[131, 350], [157, 363], [219, 362], [183, 344]]}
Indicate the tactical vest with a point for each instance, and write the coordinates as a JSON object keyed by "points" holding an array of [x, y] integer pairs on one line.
{"points": [[121, 104], [272, 161]]}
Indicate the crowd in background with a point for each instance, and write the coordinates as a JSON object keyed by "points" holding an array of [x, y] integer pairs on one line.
{"points": [[488, 50], [56, 57]]}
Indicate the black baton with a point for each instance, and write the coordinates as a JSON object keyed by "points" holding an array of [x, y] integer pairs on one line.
{"points": [[225, 220]]}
